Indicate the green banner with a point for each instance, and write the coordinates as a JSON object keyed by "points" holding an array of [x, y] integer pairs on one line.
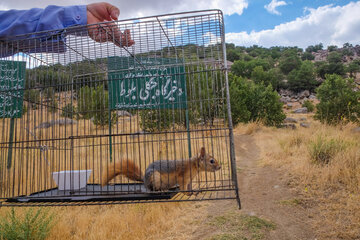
{"points": [[146, 83], [12, 75]]}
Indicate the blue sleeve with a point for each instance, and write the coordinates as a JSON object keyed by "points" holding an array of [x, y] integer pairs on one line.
{"points": [[15, 22]]}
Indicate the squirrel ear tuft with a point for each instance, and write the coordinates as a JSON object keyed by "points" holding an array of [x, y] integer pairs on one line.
{"points": [[202, 152]]}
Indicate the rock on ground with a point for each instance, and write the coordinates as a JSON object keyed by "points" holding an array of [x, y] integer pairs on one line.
{"points": [[289, 125], [357, 130], [305, 125], [65, 121], [304, 94], [290, 120], [60, 122], [285, 99], [301, 110], [123, 114]]}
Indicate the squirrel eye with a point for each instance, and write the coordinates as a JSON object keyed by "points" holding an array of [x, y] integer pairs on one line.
{"points": [[212, 161]]}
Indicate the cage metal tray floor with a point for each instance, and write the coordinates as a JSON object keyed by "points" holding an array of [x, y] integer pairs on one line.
{"points": [[95, 192]]}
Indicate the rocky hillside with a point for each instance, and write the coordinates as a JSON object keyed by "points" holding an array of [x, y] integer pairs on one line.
{"points": [[288, 96], [351, 54]]}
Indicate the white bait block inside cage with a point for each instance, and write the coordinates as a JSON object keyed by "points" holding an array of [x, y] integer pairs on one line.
{"points": [[71, 180]]}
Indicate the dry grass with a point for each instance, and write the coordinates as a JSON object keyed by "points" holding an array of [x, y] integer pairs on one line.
{"points": [[115, 222], [249, 128], [324, 162], [138, 221], [235, 226]]}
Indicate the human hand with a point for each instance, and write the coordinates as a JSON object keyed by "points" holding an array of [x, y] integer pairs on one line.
{"points": [[106, 32]]}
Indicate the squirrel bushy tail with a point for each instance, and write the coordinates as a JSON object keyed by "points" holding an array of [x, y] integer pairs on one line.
{"points": [[124, 167]]}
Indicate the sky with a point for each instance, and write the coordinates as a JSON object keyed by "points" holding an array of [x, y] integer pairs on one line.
{"points": [[247, 22]]}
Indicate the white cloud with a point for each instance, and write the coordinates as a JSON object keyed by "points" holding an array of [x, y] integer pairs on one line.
{"points": [[4, 7], [330, 25], [140, 8], [211, 38], [271, 7]]}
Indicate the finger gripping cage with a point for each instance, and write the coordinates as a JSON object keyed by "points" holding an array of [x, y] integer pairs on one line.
{"points": [[75, 111]]}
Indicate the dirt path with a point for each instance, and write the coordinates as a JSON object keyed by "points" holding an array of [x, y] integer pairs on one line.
{"points": [[265, 194]]}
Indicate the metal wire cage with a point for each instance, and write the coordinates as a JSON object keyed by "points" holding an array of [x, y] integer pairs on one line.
{"points": [[77, 103]]}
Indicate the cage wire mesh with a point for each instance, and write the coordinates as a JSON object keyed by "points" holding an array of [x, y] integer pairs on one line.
{"points": [[72, 110]]}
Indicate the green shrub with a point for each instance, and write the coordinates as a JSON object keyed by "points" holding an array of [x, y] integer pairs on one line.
{"points": [[100, 107], [338, 101], [309, 105], [254, 102], [232, 55], [302, 78], [155, 120], [244, 68], [332, 48], [94, 103], [69, 111], [32, 96], [49, 93], [315, 48], [238, 99], [25, 109], [204, 86], [353, 68], [34, 225], [85, 102], [273, 77], [307, 56], [322, 149], [333, 65], [53, 106], [289, 61]]}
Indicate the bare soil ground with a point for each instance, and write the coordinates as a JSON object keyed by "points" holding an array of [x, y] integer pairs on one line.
{"points": [[265, 195], [265, 192]]}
